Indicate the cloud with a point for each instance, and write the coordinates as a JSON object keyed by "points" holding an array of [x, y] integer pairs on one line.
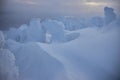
{"points": [[28, 2], [62, 7], [95, 3]]}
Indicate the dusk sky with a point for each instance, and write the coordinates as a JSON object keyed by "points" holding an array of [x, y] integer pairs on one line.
{"points": [[14, 10], [61, 7]]}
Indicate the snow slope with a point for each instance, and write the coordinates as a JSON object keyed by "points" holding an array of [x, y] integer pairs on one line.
{"points": [[93, 56], [62, 49]]}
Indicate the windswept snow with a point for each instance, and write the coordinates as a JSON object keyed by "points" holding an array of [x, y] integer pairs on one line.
{"points": [[94, 56]]}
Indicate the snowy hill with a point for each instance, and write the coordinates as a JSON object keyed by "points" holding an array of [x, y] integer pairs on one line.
{"points": [[64, 48]]}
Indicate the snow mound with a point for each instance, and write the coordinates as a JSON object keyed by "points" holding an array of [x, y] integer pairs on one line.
{"points": [[13, 46], [93, 56], [66, 48], [72, 36], [35, 64], [8, 69]]}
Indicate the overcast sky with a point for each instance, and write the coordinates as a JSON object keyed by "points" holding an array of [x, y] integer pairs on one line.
{"points": [[24, 9], [65, 7]]}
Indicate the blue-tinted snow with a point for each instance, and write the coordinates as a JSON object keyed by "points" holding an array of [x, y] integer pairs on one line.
{"points": [[64, 48]]}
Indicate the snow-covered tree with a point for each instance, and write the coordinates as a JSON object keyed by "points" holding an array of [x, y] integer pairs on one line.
{"points": [[97, 21], [22, 31], [13, 33], [56, 29], [109, 15], [72, 23], [8, 69], [2, 40], [35, 32]]}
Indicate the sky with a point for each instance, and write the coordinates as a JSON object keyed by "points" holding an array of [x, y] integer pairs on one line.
{"points": [[59, 7], [20, 11]]}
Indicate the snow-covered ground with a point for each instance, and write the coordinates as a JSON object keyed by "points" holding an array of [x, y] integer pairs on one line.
{"points": [[63, 48]]}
